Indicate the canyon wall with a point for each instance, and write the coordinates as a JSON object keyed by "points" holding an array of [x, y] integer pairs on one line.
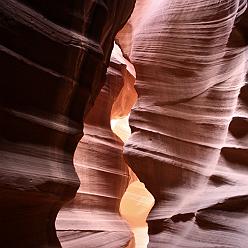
{"points": [[54, 56], [189, 141], [189, 125], [94, 213]]}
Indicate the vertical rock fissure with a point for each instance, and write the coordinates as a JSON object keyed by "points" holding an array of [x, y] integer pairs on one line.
{"points": [[137, 201]]}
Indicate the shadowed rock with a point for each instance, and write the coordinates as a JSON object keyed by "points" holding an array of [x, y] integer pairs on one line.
{"points": [[54, 56]]}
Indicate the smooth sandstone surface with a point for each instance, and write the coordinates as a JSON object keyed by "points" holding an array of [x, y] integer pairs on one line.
{"points": [[189, 125]]}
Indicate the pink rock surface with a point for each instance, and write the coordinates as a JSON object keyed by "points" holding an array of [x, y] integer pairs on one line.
{"points": [[94, 213], [191, 60]]}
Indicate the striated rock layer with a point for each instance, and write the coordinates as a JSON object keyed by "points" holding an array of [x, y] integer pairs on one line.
{"points": [[191, 59], [92, 219], [54, 56]]}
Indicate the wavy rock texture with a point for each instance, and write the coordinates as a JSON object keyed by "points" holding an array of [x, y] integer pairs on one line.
{"points": [[127, 96], [191, 59], [54, 56], [137, 201], [94, 213]]}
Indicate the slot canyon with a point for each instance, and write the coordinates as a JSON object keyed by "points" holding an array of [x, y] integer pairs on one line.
{"points": [[124, 124]]}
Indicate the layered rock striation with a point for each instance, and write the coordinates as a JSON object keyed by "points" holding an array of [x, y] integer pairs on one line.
{"points": [[54, 56], [191, 60], [92, 219]]}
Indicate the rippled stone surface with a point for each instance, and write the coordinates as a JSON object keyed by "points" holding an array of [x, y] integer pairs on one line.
{"points": [[102, 171], [189, 133]]}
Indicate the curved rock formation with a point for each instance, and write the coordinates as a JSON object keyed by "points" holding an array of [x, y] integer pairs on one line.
{"points": [[127, 96], [190, 59], [54, 56], [135, 206], [94, 213], [137, 201]]}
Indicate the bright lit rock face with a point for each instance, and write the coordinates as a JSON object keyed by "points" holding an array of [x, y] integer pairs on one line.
{"points": [[189, 126], [54, 56], [135, 206], [94, 213]]}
